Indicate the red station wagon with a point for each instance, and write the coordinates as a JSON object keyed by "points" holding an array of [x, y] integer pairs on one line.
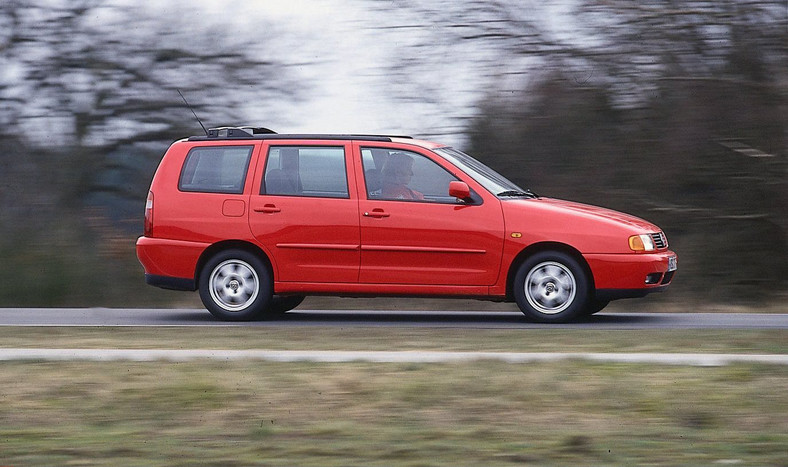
{"points": [[256, 221]]}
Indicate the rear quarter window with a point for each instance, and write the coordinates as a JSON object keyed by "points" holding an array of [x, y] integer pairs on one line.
{"points": [[216, 169]]}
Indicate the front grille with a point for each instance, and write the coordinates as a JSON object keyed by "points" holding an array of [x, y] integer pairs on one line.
{"points": [[660, 241]]}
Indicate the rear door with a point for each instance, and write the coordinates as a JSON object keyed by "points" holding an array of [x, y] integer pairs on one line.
{"points": [[413, 232], [305, 211]]}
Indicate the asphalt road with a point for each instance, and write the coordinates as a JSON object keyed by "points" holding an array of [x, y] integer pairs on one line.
{"points": [[343, 318]]}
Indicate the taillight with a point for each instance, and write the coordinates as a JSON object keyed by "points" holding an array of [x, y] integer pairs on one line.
{"points": [[148, 231]]}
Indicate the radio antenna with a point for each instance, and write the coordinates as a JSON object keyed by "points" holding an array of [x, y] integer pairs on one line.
{"points": [[193, 112]]}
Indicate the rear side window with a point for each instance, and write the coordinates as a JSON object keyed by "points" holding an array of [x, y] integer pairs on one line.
{"points": [[216, 169], [317, 171]]}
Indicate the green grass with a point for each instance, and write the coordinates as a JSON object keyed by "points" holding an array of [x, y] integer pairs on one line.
{"points": [[285, 337], [242, 413], [483, 413]]}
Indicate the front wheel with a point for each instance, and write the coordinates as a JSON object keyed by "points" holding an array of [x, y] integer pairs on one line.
{"points": [[282, 304], [551, 287], [235, 285], [596, 305]]}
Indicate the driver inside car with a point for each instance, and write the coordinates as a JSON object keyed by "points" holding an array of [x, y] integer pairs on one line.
{"points": [[395, 177]]}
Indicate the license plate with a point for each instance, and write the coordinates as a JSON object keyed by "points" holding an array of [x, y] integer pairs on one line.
{"points": [[672, 263]]}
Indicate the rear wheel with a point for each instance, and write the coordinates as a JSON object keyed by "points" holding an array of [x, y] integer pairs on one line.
{"points": [[235, 285], [551, 287]]}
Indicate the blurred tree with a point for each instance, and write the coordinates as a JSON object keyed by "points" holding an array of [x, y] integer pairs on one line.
{"points": [[671, 109], [88, 92], [680, 117], [96, 83]]}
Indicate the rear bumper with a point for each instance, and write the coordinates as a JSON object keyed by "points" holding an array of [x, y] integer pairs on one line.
{"points": [[171, 283], [170, 264]]}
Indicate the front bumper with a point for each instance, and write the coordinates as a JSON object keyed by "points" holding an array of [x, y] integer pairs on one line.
{"points": [[631, 275]]}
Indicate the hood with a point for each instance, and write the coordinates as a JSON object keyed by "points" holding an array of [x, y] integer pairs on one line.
{"points": [[588, 229], [587, 210]]}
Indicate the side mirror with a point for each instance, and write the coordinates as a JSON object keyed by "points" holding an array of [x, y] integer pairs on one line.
{"points": [[460, 190]]}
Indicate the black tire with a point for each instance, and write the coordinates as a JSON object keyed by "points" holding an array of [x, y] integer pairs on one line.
{"points": [[551, 287], [280, 305], [236, 285], [595, 306]]}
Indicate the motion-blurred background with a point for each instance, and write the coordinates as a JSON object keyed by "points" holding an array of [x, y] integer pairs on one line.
{"points": [[671, 110]]}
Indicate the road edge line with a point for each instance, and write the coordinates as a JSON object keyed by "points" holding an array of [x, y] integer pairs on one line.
{"points": [[333, 356]]}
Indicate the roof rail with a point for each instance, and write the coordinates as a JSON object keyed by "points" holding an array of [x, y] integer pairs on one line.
{"points": [[248, 132], [236, 132]]}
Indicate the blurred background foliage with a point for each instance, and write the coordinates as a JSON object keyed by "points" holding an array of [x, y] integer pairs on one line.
{"points": [[671, 110]]}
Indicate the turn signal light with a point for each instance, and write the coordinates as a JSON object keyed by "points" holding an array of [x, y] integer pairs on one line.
{"points": [[641, 243]]}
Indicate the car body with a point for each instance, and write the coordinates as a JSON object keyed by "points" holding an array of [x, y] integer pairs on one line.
{"points": [[256, 221]]}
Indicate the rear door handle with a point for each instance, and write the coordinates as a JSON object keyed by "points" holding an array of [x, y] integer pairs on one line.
{"points": [[268, 209], [376, 213]]}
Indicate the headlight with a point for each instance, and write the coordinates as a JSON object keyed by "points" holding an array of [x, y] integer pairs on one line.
{"points": [[641, 243]]}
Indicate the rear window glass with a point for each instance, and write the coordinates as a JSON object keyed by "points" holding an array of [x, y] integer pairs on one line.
{"points": [[316, 171], [216, 169]]}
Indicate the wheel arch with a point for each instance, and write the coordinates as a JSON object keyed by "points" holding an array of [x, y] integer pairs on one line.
{"points": [[541, 247], [218, 247]]}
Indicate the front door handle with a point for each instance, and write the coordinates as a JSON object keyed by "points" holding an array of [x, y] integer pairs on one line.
{"points": [[376, 213], [268, 209]]}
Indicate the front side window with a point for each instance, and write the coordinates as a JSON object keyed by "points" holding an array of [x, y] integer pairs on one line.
{"points": [[216, 169], [393, 174], [306, 171]]}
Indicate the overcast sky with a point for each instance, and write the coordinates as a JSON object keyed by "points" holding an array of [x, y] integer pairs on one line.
{"points": [[343, 52]]}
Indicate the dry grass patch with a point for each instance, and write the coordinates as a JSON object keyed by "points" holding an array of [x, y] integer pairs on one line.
{"points": [[482, 413]]}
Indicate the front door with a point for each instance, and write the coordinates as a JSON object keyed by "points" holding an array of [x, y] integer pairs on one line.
{"points": [[413, 232], [305, 213]]}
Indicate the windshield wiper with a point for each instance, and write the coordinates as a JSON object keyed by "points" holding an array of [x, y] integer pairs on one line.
{"points": [[516, 193]]}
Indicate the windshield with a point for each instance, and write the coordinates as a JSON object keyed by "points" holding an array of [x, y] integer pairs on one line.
{"points": [[490, 179]]}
